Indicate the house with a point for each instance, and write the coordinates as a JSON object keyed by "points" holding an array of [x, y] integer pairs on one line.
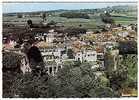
{"points": [[46, 36], [40, 36], [51, 53], [117, 29], [129, 27], [53, 67], [24, 66], [100, 56], [110, 45], [123, 34], [89, 32], [88, 55], [53, 58], [49, 37]]}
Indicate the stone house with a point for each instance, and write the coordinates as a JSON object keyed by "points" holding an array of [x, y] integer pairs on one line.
{"points": [[86, 56]]}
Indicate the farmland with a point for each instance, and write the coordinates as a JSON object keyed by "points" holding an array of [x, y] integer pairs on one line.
{"points": [[70, 53], [122, 17]]}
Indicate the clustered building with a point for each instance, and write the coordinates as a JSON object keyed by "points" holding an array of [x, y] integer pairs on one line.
{"points": [[57, 48]]}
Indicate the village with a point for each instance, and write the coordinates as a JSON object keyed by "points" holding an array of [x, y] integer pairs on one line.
{"points": [[56, 48], [70, 53]]}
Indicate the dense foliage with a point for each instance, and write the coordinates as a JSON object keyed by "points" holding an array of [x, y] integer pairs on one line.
{"points": [[129, 47], [72, 31], [43, 16], [29, 22], [11, 61], [70, 54], [52, 23], [106, 18], [79, 80], [130, 61], [125, 74], [75, 79], [74, 15], [11, 67], [19, 15]]}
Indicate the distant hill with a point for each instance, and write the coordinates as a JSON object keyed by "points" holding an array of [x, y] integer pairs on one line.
{"points": [[84, 18], [123, 8]]}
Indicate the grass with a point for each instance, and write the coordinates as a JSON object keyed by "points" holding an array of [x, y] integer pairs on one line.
{"points": [[125, 18], [91, 23]]}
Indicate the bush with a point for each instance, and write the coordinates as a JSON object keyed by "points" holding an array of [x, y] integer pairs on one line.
{"points": [[80, 81], [74, 15], [11, 62], [30, 86], [106, 18], [19, 15]]}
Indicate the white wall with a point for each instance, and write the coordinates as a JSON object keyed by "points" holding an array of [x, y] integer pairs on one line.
{"points": [[86, 56], [90, 56]]}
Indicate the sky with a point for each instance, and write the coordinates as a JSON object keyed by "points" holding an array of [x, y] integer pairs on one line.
{"points": [[29, 7]]}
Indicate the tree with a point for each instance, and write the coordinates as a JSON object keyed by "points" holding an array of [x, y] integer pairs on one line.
{"points": [[106, 18], [74, 15], [102, 92], [116, 76], [80, 81], [26, 86], [11, 67], [130, 61], [29, 22], [11, 62], [120, 75], [72, 31], [73, 80], [30, 86], [70, 53], [44, 16], [19, 15], [109, 62], [127, 47], [80, 25], [16, 84], [8, 81], [52, 24]]}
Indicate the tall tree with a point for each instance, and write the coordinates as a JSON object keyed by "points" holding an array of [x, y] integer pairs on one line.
{"points": [[44, 16], [107, 18], [79, 80]]}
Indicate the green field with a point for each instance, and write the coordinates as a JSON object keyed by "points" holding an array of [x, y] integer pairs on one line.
{"points": [[92, 23]]}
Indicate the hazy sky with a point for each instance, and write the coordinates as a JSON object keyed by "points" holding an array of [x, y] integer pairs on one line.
{"points": [[28, 7]]}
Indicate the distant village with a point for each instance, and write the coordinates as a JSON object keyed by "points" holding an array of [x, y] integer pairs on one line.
{"points": [[57, 45]]}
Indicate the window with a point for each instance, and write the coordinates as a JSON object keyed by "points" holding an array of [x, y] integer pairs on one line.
{"points": [[56, 57], [44, 58], [54, 69], [50, 70], [59, 67], [78, 59]]}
